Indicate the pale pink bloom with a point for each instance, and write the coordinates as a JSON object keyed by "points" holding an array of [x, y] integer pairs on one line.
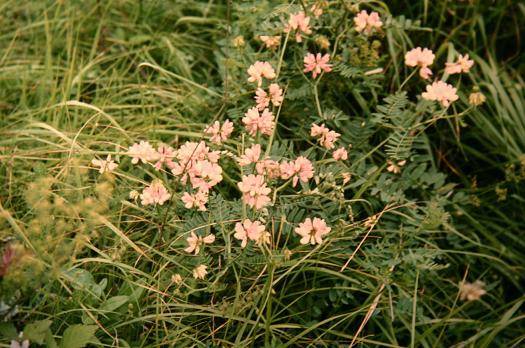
{"points": [[462, 65], [316, 64], [425, 72], [367, 22], [395, 168], [107, 165], [269, 167], [134, 194], [300, 169], [312, 231], [195, 200], [340, 154], [199, 164], [326, 137], [248, 230], [258, 122], [165, 155], [142, 151], [422, 58], [300, 23], [219, 133], [205, 174], [195, 242], [254, 190], [276, 94], [316, 10], [263, 99], [260, 70], [200, 272], [251, 155], [441, 92], [271, 41], [471, 291], [155, 193]]}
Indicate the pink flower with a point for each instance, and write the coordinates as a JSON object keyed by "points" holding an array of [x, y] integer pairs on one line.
{"points": [[248, 230], [420, 57], [395, 168], [462, 65], [271, 41], [259, 70], [316, 64], [254, 190], [142, 151], [300, 23], [340, 154], [258, 122], [441, 92], [195, 242], [197, 200], [269, 167], [367, 22], [107, 165], [312, 231], [250, 156], [200, 272], [155, 193], [317, 10], [263, 99], [165, 155], [326, 137], [219, 133], [300, 169]]}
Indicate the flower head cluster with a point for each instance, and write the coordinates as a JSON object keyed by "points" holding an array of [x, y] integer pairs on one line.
{"points": [[251, 155], [255, 121], [219, 133], [164, 156], [260, 70], [254, 191], [326, 137], [195, 242], [395, 167], [462, 65], [316, 64], [420, 57], [200, 272], [155, 193], [441, 92], [142, 151], [365, 22], [250, 230], [274, 95], [471, 291], [107, 165], [300, 23], [271, 41], [300, 169], [312, 231], [195, 200], [340, 154], [268, 167]]}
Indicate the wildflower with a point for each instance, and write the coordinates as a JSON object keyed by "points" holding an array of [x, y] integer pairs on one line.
{"points": [[395, 168], [195, 242], [155, 193], [476, 99], [238, 41], [326, 137], [197, 200], [263, 99], [312, 231], [271, 41], [107, 165], [442, 92], [258, 122], [367, 22], [251, 155], [340, 154], [176, 278], [316, 64], [300, 169], [268, 167], [323, 42], [165, 155], [219, 133], [471, 291], [462, 65], [260, 70], [420, 57], [199, 164], [134, 194], [200, 272], [142, 151], [300, 23], [248, 230], [317, 10], [254, 190], [276, 94], [346, 177]]}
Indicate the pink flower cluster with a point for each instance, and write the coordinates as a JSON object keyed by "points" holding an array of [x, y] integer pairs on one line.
{"points": [[155, 193], [196, 242], [258, 122], [251, 230], [312, 231], [300, 23], [300, 169], [366, 23], [219, 133], [326, 137], [254, 191], [260, 70], [420, 57], [274, 95], [107, 165], [462, 65], [316, 64], [441, 92]]}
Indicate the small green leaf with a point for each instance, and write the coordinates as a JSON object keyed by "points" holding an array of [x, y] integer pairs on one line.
{"points": [[8, 330], [36, 332], [78, 336]]}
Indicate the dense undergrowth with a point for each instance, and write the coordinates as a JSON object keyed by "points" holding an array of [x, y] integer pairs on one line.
{"points": [[429, 202]]}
